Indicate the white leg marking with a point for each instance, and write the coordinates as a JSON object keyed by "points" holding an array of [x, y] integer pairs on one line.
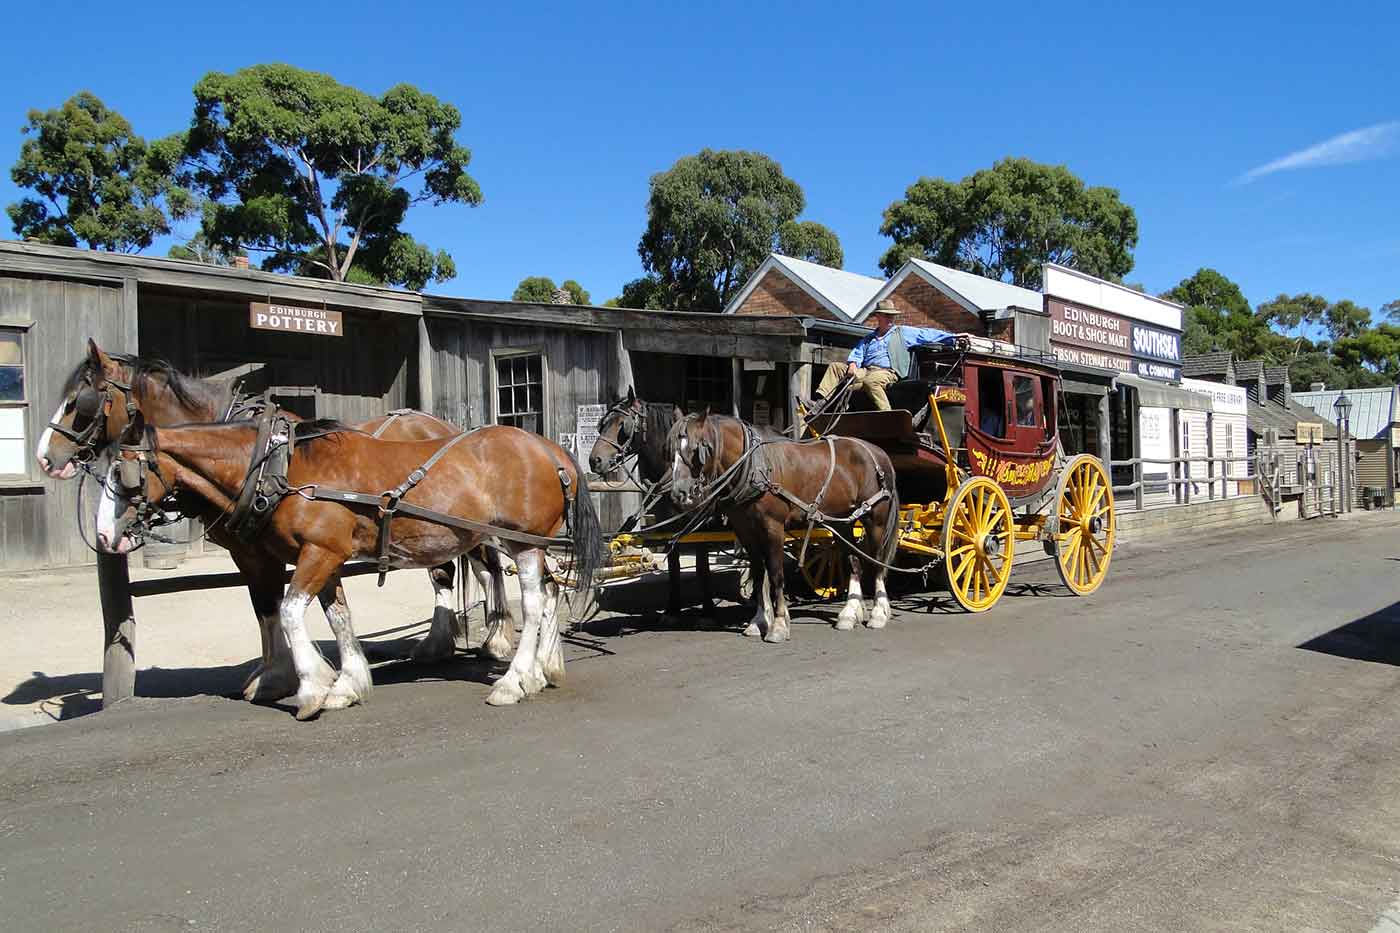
{"points": [[551, 653], [854, 610], [500, 626], [880, 615], [523, 678], [354, 684], [779, 630], [310, 696]]}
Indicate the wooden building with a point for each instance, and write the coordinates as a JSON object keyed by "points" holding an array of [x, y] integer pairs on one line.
{"points": [[1374, 429], [353, 352]]}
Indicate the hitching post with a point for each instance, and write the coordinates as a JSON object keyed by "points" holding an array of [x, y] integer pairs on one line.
{"points": [[119, 629]]}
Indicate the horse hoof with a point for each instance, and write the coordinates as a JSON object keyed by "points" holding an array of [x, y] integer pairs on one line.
{"points": [[751, 630], [311, 707], [507, 691], [776, 637], [429, 651], [877, 620], [499, 649], [845, 623]]}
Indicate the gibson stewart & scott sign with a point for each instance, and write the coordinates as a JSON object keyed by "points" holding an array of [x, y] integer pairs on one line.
{"points": [[293, 319], [1090, 337]]}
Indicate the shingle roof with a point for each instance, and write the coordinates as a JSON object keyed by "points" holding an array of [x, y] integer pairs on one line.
{"points": [[1372, 410], [1248, 369], [1206, 364], [1284, 419], [1275, 375]]}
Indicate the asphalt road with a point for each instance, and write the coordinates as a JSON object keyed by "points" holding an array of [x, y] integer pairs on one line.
{"points": [[1212, 742]]}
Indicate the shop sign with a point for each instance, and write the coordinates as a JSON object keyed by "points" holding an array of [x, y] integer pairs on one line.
{"points": [[263, 315], [1090, 337], [1229, 400]]}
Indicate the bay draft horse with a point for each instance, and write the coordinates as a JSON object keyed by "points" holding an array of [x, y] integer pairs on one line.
{"points": [[206, 465], [93, 412], [762, 487]]}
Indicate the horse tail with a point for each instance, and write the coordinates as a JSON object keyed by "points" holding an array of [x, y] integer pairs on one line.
{"points": [[590, 553], [890, 543]]}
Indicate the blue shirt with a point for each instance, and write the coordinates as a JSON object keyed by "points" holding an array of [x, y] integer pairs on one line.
{"points": [[874, 349]]}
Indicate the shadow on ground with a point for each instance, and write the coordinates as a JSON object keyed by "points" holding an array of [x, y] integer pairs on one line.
{"points": [[1374, 638]]}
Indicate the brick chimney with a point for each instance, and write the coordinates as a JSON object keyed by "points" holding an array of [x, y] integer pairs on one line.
{"points": [[240, 262]]}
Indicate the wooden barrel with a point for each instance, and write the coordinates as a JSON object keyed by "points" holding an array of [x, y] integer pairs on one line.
{"points": [[158, 555]]}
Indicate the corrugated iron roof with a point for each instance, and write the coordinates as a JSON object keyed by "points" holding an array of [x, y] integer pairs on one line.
{"points": [[1206, 364], [983, 293], [847, 291], [1372, 410]]}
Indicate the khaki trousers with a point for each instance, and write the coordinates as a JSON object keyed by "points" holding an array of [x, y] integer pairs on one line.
{"points": [[873, 381]]}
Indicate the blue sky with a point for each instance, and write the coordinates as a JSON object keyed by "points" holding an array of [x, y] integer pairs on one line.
{"points": [[570, 109]]}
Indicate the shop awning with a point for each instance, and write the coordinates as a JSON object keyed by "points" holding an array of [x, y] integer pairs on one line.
{"points": [[1085, 380], [1084, 388], [1153, 394]]}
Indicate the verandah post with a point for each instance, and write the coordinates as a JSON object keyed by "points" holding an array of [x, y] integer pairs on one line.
{"points": [[118, 629]]}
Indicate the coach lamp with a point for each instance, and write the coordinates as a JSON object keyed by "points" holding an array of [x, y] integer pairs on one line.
{"points": [[1343, 409]]}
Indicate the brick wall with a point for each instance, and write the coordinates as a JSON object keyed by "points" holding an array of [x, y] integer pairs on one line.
{"points": [[778, 294], [925, 306]]}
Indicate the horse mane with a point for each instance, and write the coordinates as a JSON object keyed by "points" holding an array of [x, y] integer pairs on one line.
{"points": [[322, 430], [191, 392]]}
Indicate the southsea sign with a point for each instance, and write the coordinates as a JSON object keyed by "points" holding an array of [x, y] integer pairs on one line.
{"points": [[294, 319], [1090, 337]]}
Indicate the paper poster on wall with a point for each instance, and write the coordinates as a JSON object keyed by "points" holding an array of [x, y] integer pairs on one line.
{"points": [[569, 442], [586, 425], [762, 412], [1155, 438]]}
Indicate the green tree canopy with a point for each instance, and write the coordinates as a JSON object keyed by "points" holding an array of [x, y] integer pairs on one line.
{"points": [[1218, 317], [712, 218], [541, 290], [1006, 221], [98, 183], [319, 176]]}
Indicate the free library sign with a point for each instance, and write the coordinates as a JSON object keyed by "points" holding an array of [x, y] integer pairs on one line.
{"points": [[321, 322]]}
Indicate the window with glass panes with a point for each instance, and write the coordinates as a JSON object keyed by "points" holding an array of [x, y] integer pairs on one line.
{"points": [[708, 381], [14, 459], [520, 391]]}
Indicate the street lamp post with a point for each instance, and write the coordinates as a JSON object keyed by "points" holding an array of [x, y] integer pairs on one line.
{"points": [[1343, 409]]}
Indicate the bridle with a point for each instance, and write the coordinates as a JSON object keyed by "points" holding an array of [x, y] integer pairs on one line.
{"points": [[635, 420], [95, 405], [131, 478]]}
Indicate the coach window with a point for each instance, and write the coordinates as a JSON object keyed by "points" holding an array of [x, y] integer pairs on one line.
{"points": [[519, 396], [1024, 389], [14, 406]]}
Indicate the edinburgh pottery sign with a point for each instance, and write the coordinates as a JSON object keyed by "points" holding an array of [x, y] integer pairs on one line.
{"points": [[294, 319]]}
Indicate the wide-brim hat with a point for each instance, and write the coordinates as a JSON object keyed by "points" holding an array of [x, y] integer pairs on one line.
{"points": [[885, 306]]}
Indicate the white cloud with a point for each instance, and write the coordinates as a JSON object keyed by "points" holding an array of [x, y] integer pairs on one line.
{"points": [[1363, 145]]}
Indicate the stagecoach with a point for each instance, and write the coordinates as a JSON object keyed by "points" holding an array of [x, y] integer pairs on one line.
{"points": [[974, 441]]}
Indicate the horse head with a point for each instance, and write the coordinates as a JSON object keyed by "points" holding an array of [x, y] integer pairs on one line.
{"points": [[133, 487], [693, 441], [621, 433], [94, 412]]}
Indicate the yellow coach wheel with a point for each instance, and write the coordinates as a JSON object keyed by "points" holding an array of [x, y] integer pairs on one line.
{"points": [[1084, 543], [979, 542], [825, 568]]}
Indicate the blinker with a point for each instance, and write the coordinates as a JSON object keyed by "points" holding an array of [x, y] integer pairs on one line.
{"points": [[129, 475], [88, 402]]}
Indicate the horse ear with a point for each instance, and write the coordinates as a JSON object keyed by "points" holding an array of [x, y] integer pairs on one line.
{"points": [[631, 396], [135, 428], [705, 415], [100, 361], [677, 416]]}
